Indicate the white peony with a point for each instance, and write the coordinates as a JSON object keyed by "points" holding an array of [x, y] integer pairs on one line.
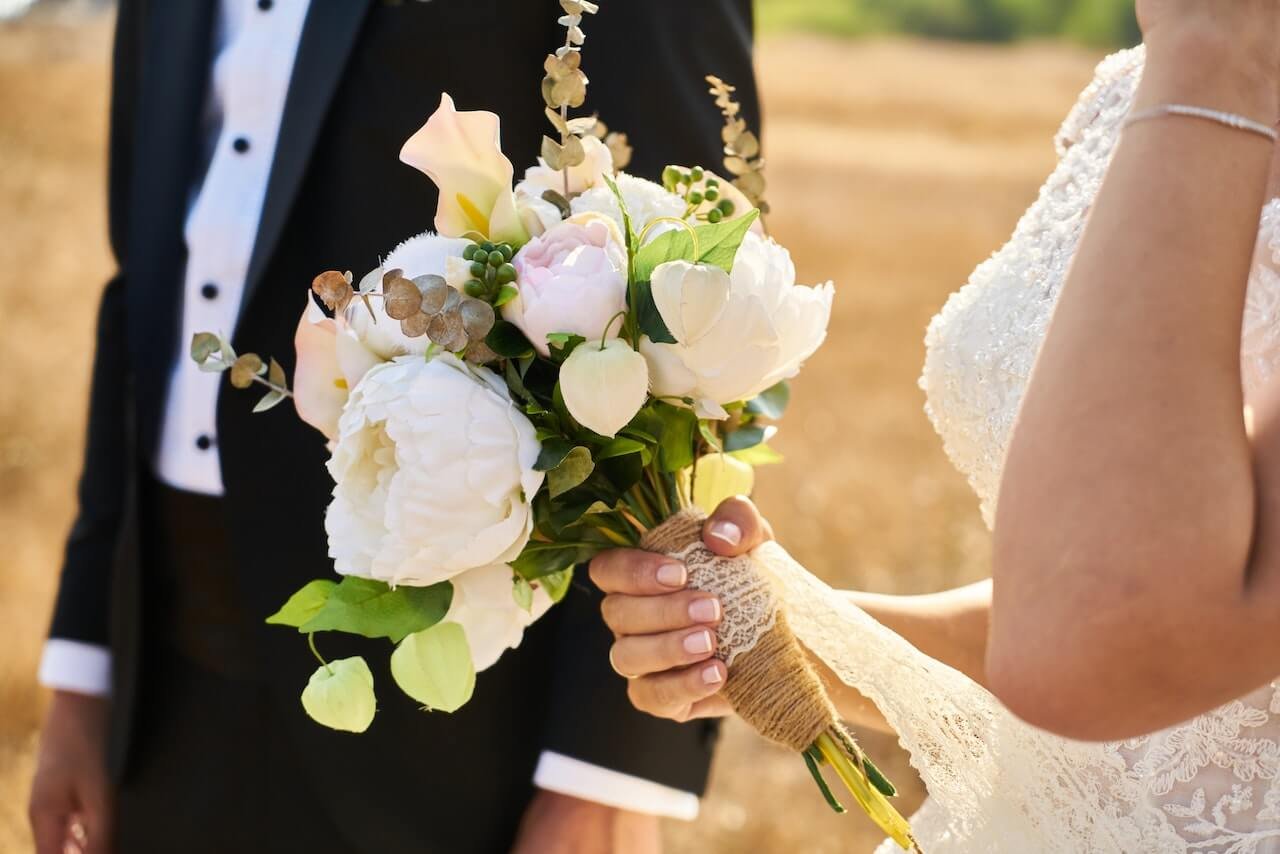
{"points": [[646, 202], [485, 607], [737, 334], [425, 254], [434, 472]]}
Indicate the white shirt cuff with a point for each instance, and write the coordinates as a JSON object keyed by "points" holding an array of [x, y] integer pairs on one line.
{"points": [[578, 779], [68, 665]]}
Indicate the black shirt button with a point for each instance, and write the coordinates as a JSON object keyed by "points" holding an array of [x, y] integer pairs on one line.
{"points": [[209, 291], [204, 442], [265, 5], [241, 145]]}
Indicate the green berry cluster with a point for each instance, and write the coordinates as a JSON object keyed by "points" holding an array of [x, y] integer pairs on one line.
{"points": [[699, 190], [492, 272]]}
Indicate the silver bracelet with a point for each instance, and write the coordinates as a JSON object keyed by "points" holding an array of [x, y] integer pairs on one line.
{"points": [[1231, 120]]}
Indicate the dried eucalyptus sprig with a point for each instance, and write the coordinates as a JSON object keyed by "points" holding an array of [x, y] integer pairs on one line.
{"points": [[565, 87], [741, 147], [214, 354]]}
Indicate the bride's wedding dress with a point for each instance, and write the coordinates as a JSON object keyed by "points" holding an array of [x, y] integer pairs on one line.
{"points": [[996, 784]]}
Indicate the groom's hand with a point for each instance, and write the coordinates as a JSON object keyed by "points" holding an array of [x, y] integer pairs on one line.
{"points": [[665, 636], [70, 807], [559, 824]]}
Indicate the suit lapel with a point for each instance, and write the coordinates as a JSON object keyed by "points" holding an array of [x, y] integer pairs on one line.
{"points": [[328, 37]]}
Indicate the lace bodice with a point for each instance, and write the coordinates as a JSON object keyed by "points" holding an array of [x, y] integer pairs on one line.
{"points": [[1215, 781]]}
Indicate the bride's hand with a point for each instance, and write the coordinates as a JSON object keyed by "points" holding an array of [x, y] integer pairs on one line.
{"points": [[665, 634]]}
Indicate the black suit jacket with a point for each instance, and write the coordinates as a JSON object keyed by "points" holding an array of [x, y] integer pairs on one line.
{"points": [[367, 75]]}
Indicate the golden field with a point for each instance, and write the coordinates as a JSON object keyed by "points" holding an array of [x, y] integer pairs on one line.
{"points": [[895, 167]]}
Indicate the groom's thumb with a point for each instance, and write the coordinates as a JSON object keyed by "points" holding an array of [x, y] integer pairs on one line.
{"points": [[736, 528]]}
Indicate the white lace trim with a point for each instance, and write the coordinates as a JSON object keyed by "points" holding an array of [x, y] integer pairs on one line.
{"points": [[750, 606]]}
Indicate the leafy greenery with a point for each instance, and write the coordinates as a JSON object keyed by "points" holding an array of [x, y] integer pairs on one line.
{"points": [[1103, 23], [434, 667], [361, 606]]}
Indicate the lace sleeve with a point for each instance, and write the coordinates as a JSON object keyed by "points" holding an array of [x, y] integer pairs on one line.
{"points": [[1091, 105]]}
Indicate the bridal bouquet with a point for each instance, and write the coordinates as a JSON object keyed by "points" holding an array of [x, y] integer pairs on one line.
{"points": [[566, 365]]}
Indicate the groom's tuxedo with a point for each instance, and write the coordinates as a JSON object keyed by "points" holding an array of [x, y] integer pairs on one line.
{"points": [[367, 73]]}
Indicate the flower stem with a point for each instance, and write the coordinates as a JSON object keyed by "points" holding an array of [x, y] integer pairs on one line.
{"points": [[873, 803], [311, 642]]}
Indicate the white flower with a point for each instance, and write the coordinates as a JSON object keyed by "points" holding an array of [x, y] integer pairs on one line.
{"points": [[604, 385], [583, 177], [426, 254], [737, 334], [493, 621], [571, 279], [538, 215], [434, 473], [646, 202], [331, 360]]}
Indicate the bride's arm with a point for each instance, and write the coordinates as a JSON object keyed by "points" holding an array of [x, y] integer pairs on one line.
{"points": [[653, 616], [1133, 586]]}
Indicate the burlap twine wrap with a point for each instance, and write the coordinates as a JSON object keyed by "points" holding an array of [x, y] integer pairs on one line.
{"points": [[771, 685]]}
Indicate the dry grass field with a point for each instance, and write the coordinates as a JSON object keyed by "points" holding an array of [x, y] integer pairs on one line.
{"points": [[895, 167]]}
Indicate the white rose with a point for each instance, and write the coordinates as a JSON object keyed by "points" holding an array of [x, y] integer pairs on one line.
{"points": [[434, 473], [736, 334], [485, 607], [426, 254], [583, 177], [646, 202]]}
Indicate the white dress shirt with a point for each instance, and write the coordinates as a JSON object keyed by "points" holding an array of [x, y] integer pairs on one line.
{"points": [[256, 44]]}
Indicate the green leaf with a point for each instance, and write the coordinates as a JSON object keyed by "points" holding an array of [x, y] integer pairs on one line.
{"points": [[553, 452], [522, 592], [340, 695], [772, 402], [505, 295], [717, 245], [557, 583], [676, 442], [508, 341], [757, 455], [628, 229], [620, 447], [648, 318], [361, 606], [539, 560], [747, 437], [709, 436], [434, 667], [562, 344], [304, 604], [575, 468]]}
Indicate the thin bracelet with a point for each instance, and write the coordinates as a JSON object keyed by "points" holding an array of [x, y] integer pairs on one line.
{"points": [[1231, 120]]}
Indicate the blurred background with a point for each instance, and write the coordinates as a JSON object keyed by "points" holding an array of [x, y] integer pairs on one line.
{"points": [[904, 138]]}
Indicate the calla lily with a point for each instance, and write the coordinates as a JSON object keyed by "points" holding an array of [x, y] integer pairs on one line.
{"points": [[604, 385], [330, 362], [461, 153]]}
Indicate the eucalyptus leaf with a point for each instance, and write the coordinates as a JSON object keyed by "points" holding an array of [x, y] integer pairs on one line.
{"points": [[304, 604], [717, 245], [748, 437], [434, 667], [204, 345], [362, 606], [573, 470], [270, 400]]}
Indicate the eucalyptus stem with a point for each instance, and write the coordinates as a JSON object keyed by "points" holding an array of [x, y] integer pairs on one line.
{"points": [[280, 390]]}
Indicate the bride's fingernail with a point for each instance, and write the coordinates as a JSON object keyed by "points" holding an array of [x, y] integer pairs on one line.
{"points": [[698, 643], [726, 532], [711, 675], [704, 610], [672, 575]]}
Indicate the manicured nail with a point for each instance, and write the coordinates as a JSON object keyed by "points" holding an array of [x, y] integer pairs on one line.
{"points": [[704, 610], [711, 675], [698, 643], [672, 575], [726, 532]]}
